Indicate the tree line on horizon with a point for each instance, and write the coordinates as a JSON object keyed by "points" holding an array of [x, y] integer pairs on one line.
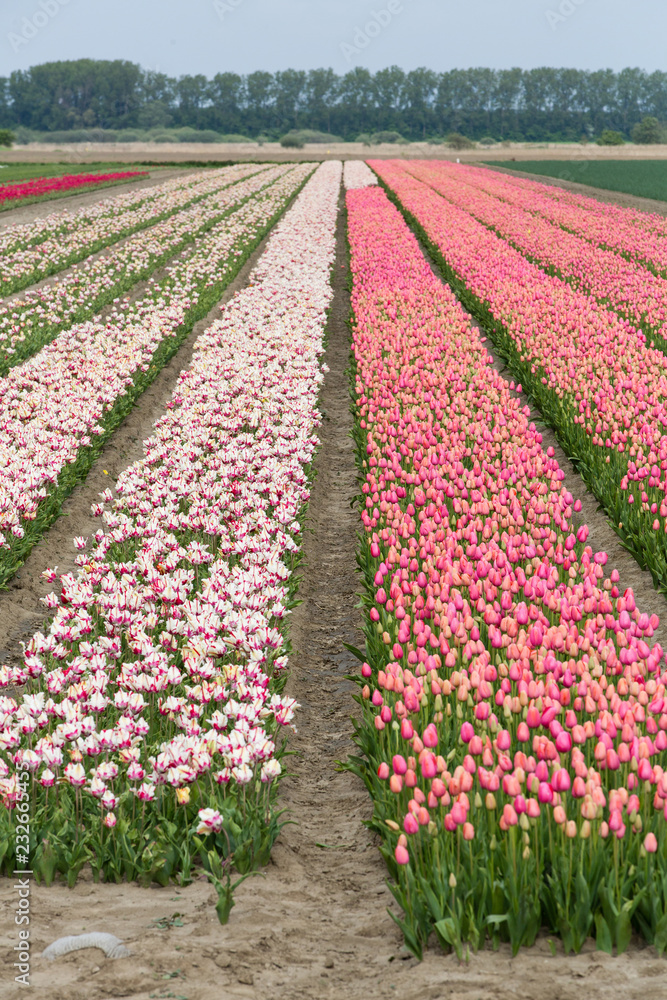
{"points": [[536, 105]]}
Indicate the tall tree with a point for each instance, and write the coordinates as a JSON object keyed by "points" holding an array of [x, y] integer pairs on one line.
{"points": [[259, 90], [289, 93], [355, 109], [389, 99], [420, 90], [228, 96], [321, 95], [193, 95]]}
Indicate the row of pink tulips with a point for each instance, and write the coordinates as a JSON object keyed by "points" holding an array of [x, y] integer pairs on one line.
{"points": [[594, 377], [638, 235], [515, 718], [624, 285], [152, 708], [34, 250]]}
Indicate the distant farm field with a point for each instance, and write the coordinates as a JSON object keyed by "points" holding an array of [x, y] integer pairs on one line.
{"points": [[644, 178]]}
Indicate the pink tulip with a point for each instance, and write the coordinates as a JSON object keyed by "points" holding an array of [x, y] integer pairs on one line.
{"points": [[410, 824], [401, 855], [650, 843], [467, 732], [430, 736]]}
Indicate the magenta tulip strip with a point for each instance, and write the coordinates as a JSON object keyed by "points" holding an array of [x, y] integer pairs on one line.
{"points": [[58, 408], [514, 713], [151, 711], [595, 379], [41, 186], [35, 250]]}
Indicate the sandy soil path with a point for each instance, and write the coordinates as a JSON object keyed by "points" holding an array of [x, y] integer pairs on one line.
{"points": [[316, 924]]}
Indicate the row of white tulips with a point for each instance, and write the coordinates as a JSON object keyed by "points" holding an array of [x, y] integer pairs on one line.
{"points": [[53, 404], [39, 313], [32, 250], [159, 673]]}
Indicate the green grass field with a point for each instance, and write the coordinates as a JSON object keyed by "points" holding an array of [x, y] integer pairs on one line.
{"points": [[14, 172], [645, 178]]}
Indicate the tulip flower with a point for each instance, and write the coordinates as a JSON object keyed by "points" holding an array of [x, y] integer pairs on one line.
{"points": [[650, 843]]}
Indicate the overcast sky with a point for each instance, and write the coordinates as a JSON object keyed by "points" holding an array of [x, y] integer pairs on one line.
{"points": [[210, 36]]}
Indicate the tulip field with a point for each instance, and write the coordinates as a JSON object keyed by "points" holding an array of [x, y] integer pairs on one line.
{"points": [[40, 187], [511, 725]]}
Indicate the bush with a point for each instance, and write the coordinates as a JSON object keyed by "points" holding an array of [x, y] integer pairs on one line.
{"points": [[435, 140], [129, 135], [7, 137], [24, 136], [292, 141], [364, 138], [323, 138], [648, 131], [457, 141], [305, 135], [161, 137], [610, 138], [261, 139], [487, 141], [379, 137], [185, 134]]}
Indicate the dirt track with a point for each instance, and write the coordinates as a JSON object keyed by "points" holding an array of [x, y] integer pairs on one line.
{"points": [[315, 925]]}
